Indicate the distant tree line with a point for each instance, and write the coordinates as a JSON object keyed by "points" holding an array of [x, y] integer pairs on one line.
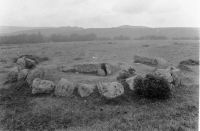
{"points": [[152, 37], [39, 38], [22, 38], [187, 38]]}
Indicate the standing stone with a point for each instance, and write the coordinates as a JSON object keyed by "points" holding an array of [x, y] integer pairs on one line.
{"points": [[42, 86], [64, 88], [22, 74], [110, 90], [85, 90], [21, 63], [108, 69]]}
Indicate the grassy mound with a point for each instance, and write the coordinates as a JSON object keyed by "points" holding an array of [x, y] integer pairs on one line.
{"points": [[152, 87]]}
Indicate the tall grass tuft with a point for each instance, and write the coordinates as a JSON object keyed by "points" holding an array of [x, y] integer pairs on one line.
{"points": [[153, 87]]}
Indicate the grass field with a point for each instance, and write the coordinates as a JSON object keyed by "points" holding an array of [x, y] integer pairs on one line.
{"points": [[24, 111]]}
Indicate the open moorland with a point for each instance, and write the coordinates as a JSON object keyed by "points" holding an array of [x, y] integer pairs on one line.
{"points": [[20, 110]]}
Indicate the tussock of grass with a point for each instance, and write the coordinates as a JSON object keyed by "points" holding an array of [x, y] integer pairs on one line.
{"points": [[153, 87]]}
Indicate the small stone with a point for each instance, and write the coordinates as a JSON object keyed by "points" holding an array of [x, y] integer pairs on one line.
{"points": [[42, 86], [64, 88], [85, 90], [110, 90]]}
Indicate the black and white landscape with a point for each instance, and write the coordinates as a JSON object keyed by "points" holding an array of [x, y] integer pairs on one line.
{"points": [[96, 76]]}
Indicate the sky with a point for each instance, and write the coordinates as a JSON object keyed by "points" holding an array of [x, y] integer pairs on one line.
{"points": [[100, 13]]}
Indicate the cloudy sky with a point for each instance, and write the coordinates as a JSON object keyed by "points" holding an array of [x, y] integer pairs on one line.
{"points": [[100, 13]]}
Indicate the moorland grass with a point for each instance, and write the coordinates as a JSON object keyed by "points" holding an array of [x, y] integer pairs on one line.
{"points": [[131, 112]]}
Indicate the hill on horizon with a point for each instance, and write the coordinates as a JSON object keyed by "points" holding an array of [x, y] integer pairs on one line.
{"points": [[133, 32]]}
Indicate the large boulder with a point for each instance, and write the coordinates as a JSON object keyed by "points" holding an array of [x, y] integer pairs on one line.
{"points": [[131, 81], [42, 86], [156, 62], [22, 74], [110, 90], [64, 88], [35, 73], [85, 90]]}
